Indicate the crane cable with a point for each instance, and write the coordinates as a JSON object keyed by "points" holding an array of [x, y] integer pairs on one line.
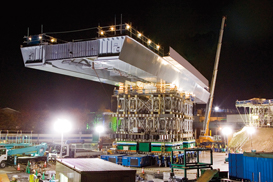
{"points": [[93, 67]]}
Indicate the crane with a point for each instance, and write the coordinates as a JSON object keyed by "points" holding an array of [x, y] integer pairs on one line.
{"points": [[205, 136]]}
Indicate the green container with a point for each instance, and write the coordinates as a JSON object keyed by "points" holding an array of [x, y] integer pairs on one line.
{"points": [[156, 149], [144, 147], [188, 145], [127, 147], [159, 149]]}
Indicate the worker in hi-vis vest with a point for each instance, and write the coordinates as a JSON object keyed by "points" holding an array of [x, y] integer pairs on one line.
{"points": [[32, 177]]}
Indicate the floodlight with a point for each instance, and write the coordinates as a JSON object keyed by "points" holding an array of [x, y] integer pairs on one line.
{"points": [[99, 129], [62, 125], [250, 130], [226, 130], [216, 108]]}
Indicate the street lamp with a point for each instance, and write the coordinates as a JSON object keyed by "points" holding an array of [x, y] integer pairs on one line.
{"points": [[62, 125], [216, 108], [99, 129], [250, 130], [226, 131]]}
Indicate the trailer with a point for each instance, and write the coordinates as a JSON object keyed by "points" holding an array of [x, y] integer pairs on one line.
{"points": [[73, 150]]}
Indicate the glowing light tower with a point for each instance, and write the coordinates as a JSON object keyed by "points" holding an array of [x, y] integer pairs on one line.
{"points": [[226, 131], [62, 125]]}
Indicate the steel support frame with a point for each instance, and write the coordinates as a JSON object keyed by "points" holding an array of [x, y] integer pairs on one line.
{"points": [[165, 116]]}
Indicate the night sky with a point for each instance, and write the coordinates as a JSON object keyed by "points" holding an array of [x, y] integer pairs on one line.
{"points": [[190, 27]]}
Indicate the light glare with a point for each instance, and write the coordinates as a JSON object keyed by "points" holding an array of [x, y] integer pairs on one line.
{"points": [[62, 125], [99, 129], [226, 130], [250, 130]]}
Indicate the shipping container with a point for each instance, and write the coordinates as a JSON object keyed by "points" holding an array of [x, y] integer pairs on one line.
{"points": [[116, 158], [236, 166], [137, 160], [251, 166], [258, 166]]}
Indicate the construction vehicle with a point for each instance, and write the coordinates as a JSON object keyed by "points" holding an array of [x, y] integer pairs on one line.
{"points": [[77, 149], [22, 155], [205, 137]]}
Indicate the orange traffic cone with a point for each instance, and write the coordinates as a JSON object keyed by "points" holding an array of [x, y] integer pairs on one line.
{"points": [[158, 171], [18, 167], [45, 164], [142, 171]]}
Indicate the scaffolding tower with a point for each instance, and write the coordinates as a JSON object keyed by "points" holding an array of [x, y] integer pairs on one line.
{"points": [[257, 112]]}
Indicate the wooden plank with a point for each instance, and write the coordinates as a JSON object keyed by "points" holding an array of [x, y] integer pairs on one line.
{"points": [[4, 178]]}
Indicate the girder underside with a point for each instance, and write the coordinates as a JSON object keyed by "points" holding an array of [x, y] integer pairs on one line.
{"points": [[127, 59]]}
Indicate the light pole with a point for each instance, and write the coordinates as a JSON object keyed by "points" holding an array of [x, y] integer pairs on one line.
{"points": [[99, 129], [62, 125], [250, 131], [226, 131]]}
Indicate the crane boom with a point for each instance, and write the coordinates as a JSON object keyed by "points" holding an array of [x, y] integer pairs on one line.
{"points": [[213, 81]]}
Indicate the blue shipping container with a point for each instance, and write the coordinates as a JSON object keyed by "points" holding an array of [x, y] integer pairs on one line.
{"points": [[236, 166], [250, 166], [255, 166], [116, 158], [136, 160]]}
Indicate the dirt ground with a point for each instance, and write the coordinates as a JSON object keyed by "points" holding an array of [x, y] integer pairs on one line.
{"points": [[262, 140]]}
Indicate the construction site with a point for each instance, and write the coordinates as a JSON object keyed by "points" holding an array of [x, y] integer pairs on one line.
{"points": [[152, 136]]}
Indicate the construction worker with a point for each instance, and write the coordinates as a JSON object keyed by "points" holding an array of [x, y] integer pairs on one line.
{"points": [[14, 178], [100, 144], [165, 161], [39, 176], [188, 157], [159, 160], [32, 177]]}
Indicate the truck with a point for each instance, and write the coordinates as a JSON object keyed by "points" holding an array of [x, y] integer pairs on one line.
{"points": [[22, 155], [77, 149]]}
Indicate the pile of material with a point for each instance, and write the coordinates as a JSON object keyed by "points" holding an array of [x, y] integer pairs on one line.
{"points": [[262, 140]]}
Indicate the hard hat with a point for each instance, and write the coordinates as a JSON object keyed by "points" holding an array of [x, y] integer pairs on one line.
{"points": [[15, 176], [39, 174]]}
